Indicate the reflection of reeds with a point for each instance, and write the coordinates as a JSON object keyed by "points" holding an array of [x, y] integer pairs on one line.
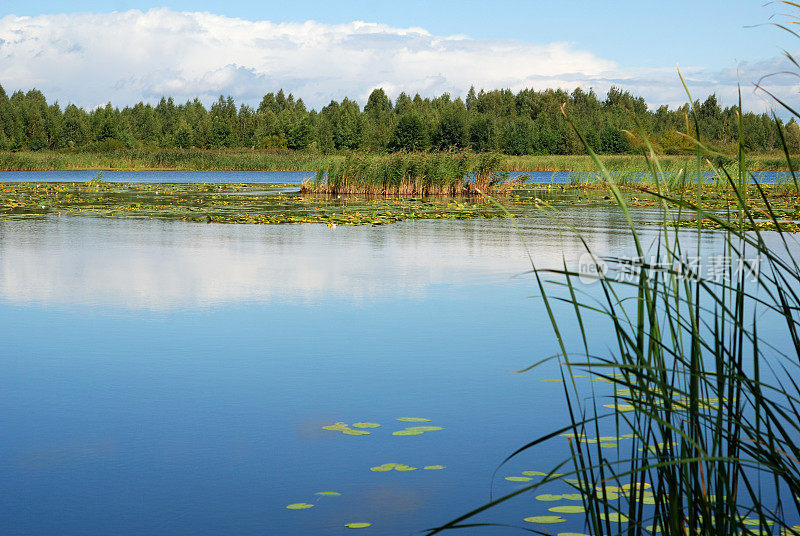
{"points": [[412, 174], [710, 403]]}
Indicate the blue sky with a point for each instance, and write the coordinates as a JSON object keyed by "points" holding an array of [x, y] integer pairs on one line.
{"points": [[636, 44]]}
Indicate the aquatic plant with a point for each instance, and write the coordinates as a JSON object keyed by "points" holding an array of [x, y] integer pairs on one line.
{"points": [[412, 174], [711, 404]]}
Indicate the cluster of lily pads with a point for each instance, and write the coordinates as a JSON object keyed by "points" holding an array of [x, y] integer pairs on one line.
{"points": [[306, 506], [360, 429]]}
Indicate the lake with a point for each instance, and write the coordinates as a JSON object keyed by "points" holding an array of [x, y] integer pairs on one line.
{"points": [[172, 378]]}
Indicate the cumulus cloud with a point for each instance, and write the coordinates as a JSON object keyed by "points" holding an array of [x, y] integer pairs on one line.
{"points": [[129, 56]]}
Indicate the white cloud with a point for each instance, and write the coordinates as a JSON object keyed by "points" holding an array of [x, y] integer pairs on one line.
{"points": [[130, 56]]}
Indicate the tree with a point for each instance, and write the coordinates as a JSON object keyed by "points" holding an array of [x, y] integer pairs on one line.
{"points": [[451, 130], [481, 133], [409, 134], [74, 131], [517, 138]]}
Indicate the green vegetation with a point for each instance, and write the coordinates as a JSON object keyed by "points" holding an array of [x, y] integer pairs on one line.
{"points": [[451, 174], [524, 123], [287, 160], [226, 203], [701, 369]]}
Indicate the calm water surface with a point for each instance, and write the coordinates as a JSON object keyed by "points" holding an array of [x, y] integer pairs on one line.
{"points": [[172, 378]]}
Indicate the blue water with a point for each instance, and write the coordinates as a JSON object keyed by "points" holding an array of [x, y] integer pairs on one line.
{"points": [[283, 177], [173, 378]]}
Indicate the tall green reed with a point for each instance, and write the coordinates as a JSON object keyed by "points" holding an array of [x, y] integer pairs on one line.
{"points": [[703, 370]]}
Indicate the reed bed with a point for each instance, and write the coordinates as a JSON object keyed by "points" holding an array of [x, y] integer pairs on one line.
{"points": [[288, 160], [165, 159], [702, 373], [412, 174]]}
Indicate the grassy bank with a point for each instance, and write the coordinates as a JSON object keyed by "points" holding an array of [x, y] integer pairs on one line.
{"points": [[245, 159]]}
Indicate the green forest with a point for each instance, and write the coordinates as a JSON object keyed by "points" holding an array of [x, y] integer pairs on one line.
{"points": [[528, 122]]}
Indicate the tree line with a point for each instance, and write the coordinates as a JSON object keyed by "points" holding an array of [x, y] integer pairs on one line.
{"points": [[522, 123]]}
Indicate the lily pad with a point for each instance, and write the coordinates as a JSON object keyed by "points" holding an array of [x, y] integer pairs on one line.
{"points": [[413, 419], [572, 534], [519, 478], [299, 506], [615, 517], [433, 467], [545, 519], [620, 407], [548, 497], [337, 427], [552, 381], [608, 445], [534, 473], [355, 432], [359, 525], [573, 496], [568, 509], [571, 480], [407, 432], [328, 493], [384, 467], [425, 428], [401, 467], [366, 425]]}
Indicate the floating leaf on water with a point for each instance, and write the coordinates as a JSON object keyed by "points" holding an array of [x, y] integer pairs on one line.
{"points": [[580, 375], [401, 467], [328, 493], [337, 427], [519, 478], [384, 467], [604, 438], [638, 485], [545, 519], [433, 467], [534, 473], [413, 419], [407, 432], [572, 534], [359, 525], [615, 517], [299, 506], [425, 428], [570, 480], [568, 509], [608, 445], [652, 528], [755, 522], [548, 497], [355, 432], [552, 381], [648, 500], [628, 436], [620, 407], [573, 496], [366, 425]]}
